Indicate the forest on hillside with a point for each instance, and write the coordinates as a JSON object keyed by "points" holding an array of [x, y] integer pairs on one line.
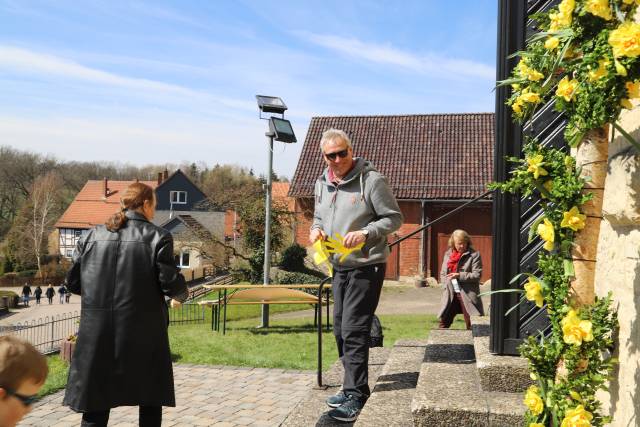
{"points": [[36, 189]]}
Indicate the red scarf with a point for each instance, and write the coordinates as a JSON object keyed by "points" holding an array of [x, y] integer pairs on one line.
{"points": [[454, 258]]}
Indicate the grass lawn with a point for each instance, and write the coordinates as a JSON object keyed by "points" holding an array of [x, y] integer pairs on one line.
{"points": [[57, 378], [287, 344]]}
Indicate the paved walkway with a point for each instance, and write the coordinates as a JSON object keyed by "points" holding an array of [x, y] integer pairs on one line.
{"points": [[34, 312], [218, 396]]}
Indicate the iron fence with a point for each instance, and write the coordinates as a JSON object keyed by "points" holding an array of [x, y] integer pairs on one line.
{"points": [[45, 334], [186, 313]]}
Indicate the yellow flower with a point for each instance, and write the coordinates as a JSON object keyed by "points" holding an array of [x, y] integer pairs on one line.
{"points": [[567, 88], [633, 88], [625, 40], [574, 330], [547, 233], [601, 71], [573, 219], [527, 72], [530, 97], [535, 166], [599, 8], [551, 43], [533, 401], [620, 70], [637, 2], [626, 104], [533, 290], [577, 417], [517, 107], [562, 18]]}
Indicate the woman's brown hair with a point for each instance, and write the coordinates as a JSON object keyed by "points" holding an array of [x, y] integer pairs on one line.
{"points": [[133, 198]]}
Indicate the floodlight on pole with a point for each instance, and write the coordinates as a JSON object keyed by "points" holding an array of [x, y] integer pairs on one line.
{"points": [[280, 130]]}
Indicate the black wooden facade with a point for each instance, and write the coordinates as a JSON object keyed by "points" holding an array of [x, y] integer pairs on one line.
{"points": [[513, 216], [178, 193]]}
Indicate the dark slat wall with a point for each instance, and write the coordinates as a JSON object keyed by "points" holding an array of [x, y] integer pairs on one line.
{"points": [[513, 216]]}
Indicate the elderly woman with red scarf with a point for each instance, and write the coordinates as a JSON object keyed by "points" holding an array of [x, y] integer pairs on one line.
{"points": [[460, 277]]}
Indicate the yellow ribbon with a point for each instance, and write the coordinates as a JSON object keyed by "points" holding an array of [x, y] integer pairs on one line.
{"points": [[333, 245]]}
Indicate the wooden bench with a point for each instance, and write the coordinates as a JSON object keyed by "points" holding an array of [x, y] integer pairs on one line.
{"points": [[262, 294]]}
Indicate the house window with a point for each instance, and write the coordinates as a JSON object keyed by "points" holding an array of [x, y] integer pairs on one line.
{"points": [[78, 233], [182, 259], [178, 197], [69, 253]]}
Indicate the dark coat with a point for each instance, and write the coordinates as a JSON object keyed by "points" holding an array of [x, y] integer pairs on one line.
{"points": [[50, 293], [470, 269], [38, 292], [122, 354]]}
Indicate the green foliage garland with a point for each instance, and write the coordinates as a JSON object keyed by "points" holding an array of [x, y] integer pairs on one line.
{"points": [[585, 58]]}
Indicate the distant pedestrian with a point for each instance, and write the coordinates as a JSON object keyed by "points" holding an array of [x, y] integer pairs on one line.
{"points": [[62, 290], [50, 293], [38, 294], [26, 294], [67, 297]]}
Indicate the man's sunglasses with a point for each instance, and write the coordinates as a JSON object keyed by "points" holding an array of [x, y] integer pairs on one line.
{"points": [[26, 400], [342, 154]]}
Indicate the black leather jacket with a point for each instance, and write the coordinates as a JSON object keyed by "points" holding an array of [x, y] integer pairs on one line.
{"points": [[122, 353]]}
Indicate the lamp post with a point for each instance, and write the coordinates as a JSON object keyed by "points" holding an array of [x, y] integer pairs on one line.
{"points": [[280, 130]]}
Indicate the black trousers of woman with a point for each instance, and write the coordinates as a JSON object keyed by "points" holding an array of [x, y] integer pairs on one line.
{"points": [[150, 416]]}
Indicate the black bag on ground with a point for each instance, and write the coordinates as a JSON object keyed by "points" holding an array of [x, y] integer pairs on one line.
{"points": [[376, 336]]}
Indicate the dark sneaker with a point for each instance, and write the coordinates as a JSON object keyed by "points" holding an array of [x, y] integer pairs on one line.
{"points": [[337, 399], [348, 411]]}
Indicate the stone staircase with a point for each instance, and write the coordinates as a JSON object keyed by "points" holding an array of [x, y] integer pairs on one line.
{"points": [[450, 379]]}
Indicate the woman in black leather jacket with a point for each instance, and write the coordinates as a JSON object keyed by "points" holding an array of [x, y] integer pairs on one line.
{"points": [[123, 270]]}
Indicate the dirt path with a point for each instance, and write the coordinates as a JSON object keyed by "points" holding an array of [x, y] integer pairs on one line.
{"points": [[399, 299]]}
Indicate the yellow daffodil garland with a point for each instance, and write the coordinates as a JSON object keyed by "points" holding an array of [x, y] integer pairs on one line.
{"points": [[567, 365]]}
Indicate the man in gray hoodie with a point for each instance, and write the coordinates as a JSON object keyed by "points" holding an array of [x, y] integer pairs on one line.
{"points": [[353, 200]]}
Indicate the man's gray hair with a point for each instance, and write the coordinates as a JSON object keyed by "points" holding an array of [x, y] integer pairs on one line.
{"points": [[333, 134]]}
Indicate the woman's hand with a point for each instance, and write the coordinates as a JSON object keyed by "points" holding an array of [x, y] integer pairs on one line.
{"points": [[453, 275], [175, 304]]}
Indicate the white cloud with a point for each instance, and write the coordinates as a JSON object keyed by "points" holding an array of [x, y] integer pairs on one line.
{"points": [[387, 54], [27, 61]]}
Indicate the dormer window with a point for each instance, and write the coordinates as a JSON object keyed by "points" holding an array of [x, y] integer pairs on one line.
{"points": [[178, 197]]}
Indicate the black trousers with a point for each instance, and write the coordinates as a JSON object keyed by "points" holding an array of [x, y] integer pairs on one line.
{"points": [[150, 416], [356, 294]]}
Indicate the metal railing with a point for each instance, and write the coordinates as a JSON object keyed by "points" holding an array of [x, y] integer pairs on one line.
{"points": [[186, 314], [200, 290], [46, 334]]}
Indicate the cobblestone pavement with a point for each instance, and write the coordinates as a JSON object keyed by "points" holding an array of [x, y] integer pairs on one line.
{"points": [[220, 396]]}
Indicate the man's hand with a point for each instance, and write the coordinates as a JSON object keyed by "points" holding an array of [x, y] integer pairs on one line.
{"points": [[317, 234], [354, 238], [453, 275], [175, 304]]}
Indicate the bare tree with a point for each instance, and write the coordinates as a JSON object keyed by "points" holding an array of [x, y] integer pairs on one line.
{"points": [[37, 217]]}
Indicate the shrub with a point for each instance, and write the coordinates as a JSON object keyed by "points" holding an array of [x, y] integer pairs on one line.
{"points": [[27, 273], [293, 258], [296, 278]]}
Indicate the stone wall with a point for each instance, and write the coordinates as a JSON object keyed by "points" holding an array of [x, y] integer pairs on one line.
{"points": [[618, 269]]}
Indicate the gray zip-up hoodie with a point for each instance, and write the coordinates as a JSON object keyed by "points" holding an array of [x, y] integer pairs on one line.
{"points": [[362, 201]]}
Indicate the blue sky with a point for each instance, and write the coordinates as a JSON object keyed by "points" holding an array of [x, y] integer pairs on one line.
{"points": [[166, 82]]}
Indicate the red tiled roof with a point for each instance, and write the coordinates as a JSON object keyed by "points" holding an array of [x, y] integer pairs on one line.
{"points": [[430, 156], [90, 208]]}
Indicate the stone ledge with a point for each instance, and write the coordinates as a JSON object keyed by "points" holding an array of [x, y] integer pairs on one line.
{"points": [[448, 390], [497, 373], [312, 409], [390, 401]]}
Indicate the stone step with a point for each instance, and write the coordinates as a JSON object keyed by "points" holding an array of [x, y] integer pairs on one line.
{"points": [[312, 409], [448, 390], [497, 373], [390, 402]]}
